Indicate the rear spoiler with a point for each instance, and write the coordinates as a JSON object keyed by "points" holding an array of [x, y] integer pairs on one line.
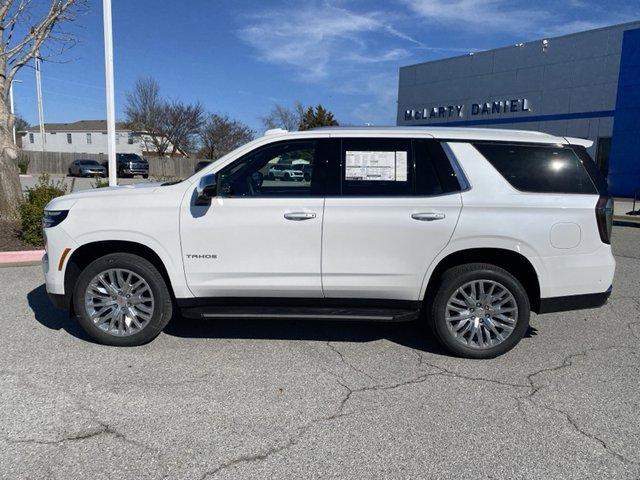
{"points": [[579, 141]]}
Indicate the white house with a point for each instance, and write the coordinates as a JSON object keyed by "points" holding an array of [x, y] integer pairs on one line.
{"points": [[86, 136]]}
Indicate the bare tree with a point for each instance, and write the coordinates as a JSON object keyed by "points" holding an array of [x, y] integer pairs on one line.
{"points": [[284, 117], [219, 135], [183, 122], [171, 126], [27, 29], [146, 112]]}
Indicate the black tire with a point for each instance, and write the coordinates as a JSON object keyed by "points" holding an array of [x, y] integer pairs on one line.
{"points": [[286, 177], [163, 309], [145, 176], [270, 176], [457, 276], [70, 174]]}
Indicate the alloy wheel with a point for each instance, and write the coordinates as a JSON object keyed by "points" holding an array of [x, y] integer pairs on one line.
{"points": [[119, 302], [481, 314]]}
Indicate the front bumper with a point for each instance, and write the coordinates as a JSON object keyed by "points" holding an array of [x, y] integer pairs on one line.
{"points": [[59, 301], [136, 171], [574, 302]]}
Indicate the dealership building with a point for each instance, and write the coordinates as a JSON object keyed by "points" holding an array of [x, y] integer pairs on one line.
{"points": [[583, 85]]}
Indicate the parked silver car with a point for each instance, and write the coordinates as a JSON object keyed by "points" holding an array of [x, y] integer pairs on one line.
{"points": [[86, 168]]}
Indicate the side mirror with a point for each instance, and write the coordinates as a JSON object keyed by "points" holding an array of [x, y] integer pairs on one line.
{"points": [[207, 189]]}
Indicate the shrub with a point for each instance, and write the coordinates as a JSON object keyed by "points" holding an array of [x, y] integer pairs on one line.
{"points": [[32, 209], [23, 163], [100, 183]]}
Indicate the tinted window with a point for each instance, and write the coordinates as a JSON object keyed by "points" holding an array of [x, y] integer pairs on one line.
{"points": [[539, 168], [376, 167], [88, 162], [434, 173], [253, 174], [594, 172], [128, 156]]}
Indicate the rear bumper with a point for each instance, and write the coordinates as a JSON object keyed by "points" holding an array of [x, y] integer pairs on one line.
{"points": [[573, 302]]}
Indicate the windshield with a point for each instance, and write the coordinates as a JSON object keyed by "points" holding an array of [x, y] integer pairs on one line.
{"points": [[130, 156], [89, 162]]}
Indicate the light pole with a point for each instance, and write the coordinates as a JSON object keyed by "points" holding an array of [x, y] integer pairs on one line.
{"points": [[13, 110], [39, 93], [108, 70]]}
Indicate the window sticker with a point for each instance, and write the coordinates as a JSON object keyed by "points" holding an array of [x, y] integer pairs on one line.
{"points": [[376, 166], [401, 166]]}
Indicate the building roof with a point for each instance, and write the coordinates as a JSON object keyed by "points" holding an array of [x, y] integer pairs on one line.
{"points": [[624, 26], [79, 126]]}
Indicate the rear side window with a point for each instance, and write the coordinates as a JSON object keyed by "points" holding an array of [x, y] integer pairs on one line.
{"points": [[377, 167], [539, 168], [434, 173]]}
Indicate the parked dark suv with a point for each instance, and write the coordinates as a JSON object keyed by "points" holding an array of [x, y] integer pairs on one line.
{"points": [[129, 165]]}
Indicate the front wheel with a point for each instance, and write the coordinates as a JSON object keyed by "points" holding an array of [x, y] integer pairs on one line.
{"points": [[479, 311], [122, 299]]}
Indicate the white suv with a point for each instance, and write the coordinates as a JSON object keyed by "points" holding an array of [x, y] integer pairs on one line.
{"points": [[285, 172], [464, 230]]}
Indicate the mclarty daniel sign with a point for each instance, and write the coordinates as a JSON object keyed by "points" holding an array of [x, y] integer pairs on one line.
{"points": [[499, 107]]}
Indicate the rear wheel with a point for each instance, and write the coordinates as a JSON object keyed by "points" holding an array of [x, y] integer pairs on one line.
{"points": [[479, 311], [122, 300]]}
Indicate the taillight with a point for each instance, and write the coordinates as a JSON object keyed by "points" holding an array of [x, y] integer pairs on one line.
{"points": [[604, 217]]}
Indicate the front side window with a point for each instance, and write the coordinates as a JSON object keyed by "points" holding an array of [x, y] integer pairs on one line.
{"points": [[538, 168], [284, 169]]}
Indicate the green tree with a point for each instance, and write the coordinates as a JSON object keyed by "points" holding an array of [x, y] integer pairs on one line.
{"points": [[320, 117]]}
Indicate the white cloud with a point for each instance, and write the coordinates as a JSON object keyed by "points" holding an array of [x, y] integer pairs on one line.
{"points": [[381, 90], [476, 13], [312, 37], [358, 51]]}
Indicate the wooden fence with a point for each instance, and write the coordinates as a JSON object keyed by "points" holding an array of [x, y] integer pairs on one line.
{"points": [[58, 162]]}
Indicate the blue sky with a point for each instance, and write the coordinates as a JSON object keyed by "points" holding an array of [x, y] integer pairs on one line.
{"points": [[240, 57]]}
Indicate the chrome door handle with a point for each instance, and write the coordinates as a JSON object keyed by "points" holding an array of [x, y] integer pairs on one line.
{"points": [[299, 216], [428, 216]]}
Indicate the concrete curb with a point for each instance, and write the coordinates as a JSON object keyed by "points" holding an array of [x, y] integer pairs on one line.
{"points": [[21, 258]]}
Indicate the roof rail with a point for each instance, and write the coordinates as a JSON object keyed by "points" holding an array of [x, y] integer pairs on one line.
{"points": [[275, 131]]}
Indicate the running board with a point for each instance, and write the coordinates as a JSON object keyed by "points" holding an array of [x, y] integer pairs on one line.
{"points": [[303, 313]]}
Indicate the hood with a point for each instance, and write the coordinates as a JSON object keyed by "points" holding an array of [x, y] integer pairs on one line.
{"points": [[65, 202]]}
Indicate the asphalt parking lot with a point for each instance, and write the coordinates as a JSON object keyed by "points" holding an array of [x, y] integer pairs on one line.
{"points": [[286, 399]]}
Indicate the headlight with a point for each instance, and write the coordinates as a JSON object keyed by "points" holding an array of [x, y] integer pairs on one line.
{"points": [[51, 218]]}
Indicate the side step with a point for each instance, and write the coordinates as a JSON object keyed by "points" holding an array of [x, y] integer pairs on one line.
{"points": [[303, 313]]}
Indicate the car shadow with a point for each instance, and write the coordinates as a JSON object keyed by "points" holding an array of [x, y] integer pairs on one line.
{"points": [[409, 334], [51, 317]]}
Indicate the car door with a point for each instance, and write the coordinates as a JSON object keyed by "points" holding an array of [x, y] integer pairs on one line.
{"points": [[397, 209], [259, 237]]}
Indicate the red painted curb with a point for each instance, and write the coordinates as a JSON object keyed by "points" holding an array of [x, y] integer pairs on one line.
{"points": [[23, 257]]}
